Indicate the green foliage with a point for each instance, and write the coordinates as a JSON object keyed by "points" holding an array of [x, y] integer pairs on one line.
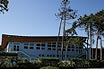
{"points": [[7, 62], [93, 21], [93, 63], [96, 63], [26, 65], [64, 64], [3, 5], [49, 61], [78, 62]]}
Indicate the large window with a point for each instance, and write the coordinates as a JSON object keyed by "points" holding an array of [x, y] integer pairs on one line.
{"points": [[59, 44], [73, 48], [53, 55], [31, 47], [80, 47], [43, 44], [28, 45], [25, 47], [31, 43], [59, 49], [42, 55], [51, 46], [40, 45], [16, 48], [38, 48], [54, 48], [39, 55], [77, 48]]}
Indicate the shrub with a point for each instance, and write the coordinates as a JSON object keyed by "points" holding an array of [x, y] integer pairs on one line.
{"points": [[93, 63], [64, 64], [96, 63], [48, 61], [78, 62]]}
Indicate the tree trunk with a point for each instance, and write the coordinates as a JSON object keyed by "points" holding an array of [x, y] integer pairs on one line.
{"points": [[63, 38], [87, 53], [91, 34], [67, 50], [100, 48], [64, 34], [96, 48], [91, 48], [58, 36]]}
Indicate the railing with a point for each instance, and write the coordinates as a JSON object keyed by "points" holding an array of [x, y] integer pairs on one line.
{"points": [[25, 54]]}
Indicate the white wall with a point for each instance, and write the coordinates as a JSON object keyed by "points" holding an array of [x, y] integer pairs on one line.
{"points": [[34, 53]]}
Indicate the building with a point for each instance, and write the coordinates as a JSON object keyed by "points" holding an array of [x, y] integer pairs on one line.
{"points": [[34, 47], [98, 53]]}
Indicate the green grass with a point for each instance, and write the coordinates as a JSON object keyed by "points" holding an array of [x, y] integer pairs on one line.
{"points": [[49, 67]]}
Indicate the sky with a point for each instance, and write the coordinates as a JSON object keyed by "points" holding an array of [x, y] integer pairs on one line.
{"points": [[37, 17]]}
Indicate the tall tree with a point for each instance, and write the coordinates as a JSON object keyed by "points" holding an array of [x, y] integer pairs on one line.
{"points": [[93, 24], [86, 22], [65, 13], [99, 27], [3, 5]]}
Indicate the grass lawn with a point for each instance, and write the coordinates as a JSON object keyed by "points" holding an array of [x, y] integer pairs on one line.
{"points": [[49, 67]]}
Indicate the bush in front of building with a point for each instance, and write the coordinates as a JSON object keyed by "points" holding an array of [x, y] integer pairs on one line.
{"points": [[93, 63], [73, 62], [27, 64], [78, 62], [64, 64], [96, 63], [24, 63], [48, 61], [7, 61]]}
